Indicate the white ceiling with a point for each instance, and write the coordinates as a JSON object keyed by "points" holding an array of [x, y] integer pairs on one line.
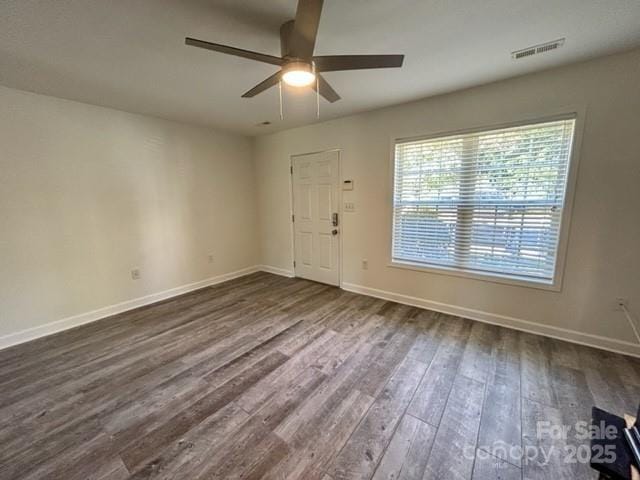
{"points": [[131, 55]]}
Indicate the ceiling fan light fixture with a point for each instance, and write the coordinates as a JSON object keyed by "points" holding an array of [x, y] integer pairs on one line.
{"points": [[298, 66], [298, 74]]}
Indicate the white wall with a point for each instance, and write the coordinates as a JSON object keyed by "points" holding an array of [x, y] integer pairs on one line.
{"points": [[88, 193], [603, 259]]}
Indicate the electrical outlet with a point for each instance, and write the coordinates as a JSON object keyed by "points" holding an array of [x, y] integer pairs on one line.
{"points": [[621, 303], [210, 257], [135, 274], [365, 264]]}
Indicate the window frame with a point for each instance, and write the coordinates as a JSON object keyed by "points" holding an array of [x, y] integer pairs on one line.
{"points": [[576, 113]]}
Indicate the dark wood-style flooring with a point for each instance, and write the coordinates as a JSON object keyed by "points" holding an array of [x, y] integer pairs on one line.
{"points": [[270, 377]]}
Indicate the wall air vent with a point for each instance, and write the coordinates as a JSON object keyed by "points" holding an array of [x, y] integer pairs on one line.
{"points": [[537, 49]]}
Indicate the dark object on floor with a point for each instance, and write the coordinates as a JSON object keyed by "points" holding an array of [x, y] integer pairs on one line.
{"points": [[632, 441], [608, 440]]}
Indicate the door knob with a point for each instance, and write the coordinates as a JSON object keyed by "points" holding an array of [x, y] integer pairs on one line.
{"points": [[334, 232]]}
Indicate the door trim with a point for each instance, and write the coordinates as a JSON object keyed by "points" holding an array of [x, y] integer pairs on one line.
{"points": [[292, 232]]}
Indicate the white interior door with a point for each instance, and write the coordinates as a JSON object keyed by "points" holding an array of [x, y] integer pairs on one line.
{"points": [[316, 221]]}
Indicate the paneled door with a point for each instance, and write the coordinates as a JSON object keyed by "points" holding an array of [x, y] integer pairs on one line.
{"points": [[316, 219]]}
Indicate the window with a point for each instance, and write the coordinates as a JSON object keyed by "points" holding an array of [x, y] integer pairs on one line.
{"points": [[488, 202]]}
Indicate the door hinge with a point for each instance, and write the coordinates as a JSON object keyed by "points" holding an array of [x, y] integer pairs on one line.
{"points": [[293, 218], [291, 169], [294, 264]]}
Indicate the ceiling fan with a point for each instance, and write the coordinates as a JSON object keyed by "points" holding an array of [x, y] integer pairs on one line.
{"points": [[299, 67]]}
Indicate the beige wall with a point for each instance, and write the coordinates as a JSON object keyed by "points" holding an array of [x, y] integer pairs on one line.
{"points": [[88, 193], [603, 259]]}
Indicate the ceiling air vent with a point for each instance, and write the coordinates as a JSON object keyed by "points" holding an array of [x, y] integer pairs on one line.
{"points": [[537, 49]]}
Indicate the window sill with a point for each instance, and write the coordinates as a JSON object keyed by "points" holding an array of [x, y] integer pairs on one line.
{"points": [[485, 277]]}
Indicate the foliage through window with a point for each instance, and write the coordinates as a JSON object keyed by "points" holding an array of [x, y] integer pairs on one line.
{"points": [[489, 202]]}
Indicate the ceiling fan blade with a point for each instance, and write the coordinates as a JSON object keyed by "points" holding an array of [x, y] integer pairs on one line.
{"points": [[238, 52], [332, 63], [264, 85], [326, 90], [305, 28]]}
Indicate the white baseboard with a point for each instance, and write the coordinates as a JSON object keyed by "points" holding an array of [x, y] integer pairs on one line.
{"points": [[276, 271], [88, 317], [596, 341]]}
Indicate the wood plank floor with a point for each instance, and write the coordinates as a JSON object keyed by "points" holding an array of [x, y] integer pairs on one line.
{"points": [[270, 377]]}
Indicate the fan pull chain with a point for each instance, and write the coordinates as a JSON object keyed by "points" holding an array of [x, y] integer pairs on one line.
{"points": [[317, 97], [280, 91]]}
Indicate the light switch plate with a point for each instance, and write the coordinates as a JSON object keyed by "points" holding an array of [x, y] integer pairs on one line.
{"points": [[349, 207]]}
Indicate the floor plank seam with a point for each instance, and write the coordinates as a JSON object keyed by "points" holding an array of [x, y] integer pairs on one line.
{"points": [[420, 419], [485, 384], [540, 402], [366, 413], [395, 429], [124, 464], [484, 399], [500, 458]]}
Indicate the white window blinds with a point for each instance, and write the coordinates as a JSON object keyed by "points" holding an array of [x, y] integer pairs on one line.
{"points": [[488, 202]]}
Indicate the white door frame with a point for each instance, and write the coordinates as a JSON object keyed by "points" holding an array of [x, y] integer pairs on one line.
{"points": [[340, 213]]}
